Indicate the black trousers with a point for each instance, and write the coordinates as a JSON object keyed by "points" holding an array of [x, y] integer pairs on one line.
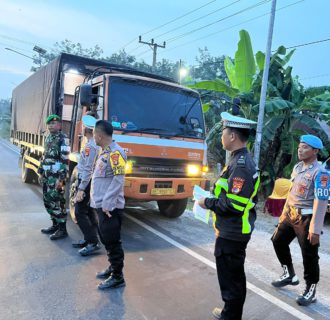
{"points": [[285, 232], [109, 229], [87, 218], [230, 258]]}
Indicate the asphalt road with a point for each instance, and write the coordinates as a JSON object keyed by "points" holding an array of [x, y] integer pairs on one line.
{"points": [[169, 266]]}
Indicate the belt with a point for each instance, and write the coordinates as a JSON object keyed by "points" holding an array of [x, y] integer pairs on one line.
{"points": [[303, 211]]}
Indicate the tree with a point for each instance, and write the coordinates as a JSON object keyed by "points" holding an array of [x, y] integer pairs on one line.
{"points": [[66, 46], [5, 118], [288, 113]]}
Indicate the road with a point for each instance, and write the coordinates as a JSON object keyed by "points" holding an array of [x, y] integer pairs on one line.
{"points": [[169, 266]]}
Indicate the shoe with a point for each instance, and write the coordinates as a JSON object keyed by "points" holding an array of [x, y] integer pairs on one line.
{"points": [[89, 249], [217, 313], [112, 282], [104, 274], [60, 233], [79, 243], [51, 229], [287, 278], [308, 296]]}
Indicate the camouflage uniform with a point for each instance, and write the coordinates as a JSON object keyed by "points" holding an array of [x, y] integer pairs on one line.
{"points": [[54, 167]]}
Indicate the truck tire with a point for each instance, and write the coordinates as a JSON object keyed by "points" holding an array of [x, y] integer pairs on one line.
{"points": [[72, 193], [172, 208], [28, 175]]}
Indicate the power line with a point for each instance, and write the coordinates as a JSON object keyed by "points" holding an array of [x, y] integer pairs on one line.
{"points": [[197, 19], [20, 40], [217, 21], [166, 23], [317, 76], [308, 43], [231, 27]]}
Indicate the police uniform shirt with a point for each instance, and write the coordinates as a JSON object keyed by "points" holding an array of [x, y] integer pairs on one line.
{"points": [[241, 175], [107, 186], [302, 193], [86, 163]]}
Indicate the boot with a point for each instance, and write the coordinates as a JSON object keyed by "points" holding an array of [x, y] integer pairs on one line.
{"points": [[288, 277], [50, 230], [60, 233], [217, 313], [89, 249], [106, 273], [308, 296], [112, 282]]}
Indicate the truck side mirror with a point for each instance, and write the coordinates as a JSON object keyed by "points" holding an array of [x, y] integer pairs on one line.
{"points": [[85, 95]]}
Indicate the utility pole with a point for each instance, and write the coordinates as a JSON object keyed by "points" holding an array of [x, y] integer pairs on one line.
{"points": [[154, 47], [264, 86]]}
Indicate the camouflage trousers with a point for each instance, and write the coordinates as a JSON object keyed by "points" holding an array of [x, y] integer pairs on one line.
{"points": [[54, 199]]}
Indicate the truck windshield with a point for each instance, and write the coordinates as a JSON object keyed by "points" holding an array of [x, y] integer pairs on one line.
{"points": [[150, 107]]}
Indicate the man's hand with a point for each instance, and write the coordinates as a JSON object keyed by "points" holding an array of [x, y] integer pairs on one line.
{"points": [[313, 238], [201, 203], [107, 212], [59, 185], [80, 196]]}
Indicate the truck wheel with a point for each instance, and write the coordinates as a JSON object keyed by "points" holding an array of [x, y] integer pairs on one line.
{"points": [[72, 194], [172, 208], [28, 175]]}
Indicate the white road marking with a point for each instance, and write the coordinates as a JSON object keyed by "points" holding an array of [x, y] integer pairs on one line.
{"points": [[277, 302]]}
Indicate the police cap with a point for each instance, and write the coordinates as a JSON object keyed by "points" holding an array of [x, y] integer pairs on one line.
{"points": [[89, 121], [230, 121], [313, 141], [53, 117]]}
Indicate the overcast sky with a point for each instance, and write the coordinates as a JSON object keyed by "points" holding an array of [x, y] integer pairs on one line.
{"points": [[114, 25]]}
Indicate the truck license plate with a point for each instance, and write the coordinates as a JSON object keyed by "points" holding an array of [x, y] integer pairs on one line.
{"points": [[162, 191]]}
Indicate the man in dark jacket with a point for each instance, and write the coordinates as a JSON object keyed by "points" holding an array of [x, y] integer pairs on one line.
{"points": [[233, 207]]}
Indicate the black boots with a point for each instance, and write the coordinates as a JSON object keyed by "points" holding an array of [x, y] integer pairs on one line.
{"points": [[112, 282], [50, 230], [60, 232], [89, 249], [308, 296], [104, 274], [287, 278]]}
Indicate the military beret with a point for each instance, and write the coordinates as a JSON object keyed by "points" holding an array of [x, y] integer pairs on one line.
{"points": [[313, 141], [230, 121], [89, 121], [53, 117]]}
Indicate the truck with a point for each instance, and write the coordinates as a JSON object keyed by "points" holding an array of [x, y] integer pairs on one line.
{"points": [[158, 123]]}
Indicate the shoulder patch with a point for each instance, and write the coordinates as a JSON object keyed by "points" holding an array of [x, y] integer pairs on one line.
{"points": [[87, 151], [241, 161], [238, 183], [322, 186], [118, 163]]}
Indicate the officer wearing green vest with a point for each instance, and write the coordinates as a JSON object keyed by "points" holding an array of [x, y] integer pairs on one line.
{"points": [[234, 212], [52, 171]]}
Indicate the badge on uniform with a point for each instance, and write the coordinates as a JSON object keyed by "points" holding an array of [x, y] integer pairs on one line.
{"points": [[87, 151], [237, 185], [322, 186], [118, 163]]}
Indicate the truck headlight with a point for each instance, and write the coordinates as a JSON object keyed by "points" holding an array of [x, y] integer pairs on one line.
{"points": [[193, 169], [129, 167]]}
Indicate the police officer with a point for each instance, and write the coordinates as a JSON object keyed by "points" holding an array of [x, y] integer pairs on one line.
{"points": [[233, 205], [53, 170], [85, 215], [303, 217], [107, 197]]}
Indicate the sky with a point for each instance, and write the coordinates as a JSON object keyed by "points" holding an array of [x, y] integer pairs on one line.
{"points": [[186, 26]]}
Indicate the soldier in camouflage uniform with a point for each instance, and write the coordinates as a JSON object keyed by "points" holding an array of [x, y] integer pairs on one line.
{"points": [[53, 170]]}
